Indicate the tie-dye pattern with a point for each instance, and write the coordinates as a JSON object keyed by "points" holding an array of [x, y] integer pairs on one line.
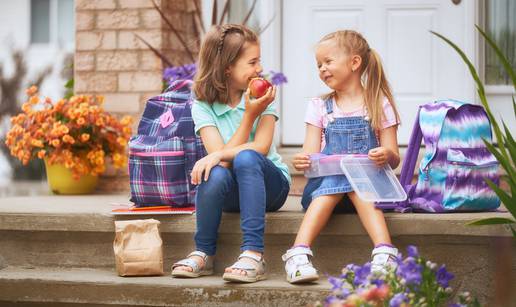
{"points": [[456, 160]]}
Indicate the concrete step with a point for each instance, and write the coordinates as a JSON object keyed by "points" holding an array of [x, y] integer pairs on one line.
{"points": [[40, 286], [71, 232]]}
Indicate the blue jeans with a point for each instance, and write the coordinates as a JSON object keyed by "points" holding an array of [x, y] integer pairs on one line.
{"points": [[252, 187]]}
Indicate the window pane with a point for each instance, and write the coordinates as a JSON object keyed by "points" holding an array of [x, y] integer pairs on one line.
{"points": [[40, 21], [65, 24], [501, 26]]}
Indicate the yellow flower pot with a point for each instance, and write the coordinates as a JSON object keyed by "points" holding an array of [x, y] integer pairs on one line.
{"points": [[60, 180]]}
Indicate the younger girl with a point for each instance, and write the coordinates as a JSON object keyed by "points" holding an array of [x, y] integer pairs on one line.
{"points": [[358, 117], [242, 171]]}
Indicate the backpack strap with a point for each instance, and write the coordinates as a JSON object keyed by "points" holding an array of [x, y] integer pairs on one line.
{"points": [[409, 163], [407, 169]]}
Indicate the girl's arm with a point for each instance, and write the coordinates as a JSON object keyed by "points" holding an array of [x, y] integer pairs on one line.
{"points": [[262, 143], [388, 152], [211, 137], [312, 144]]}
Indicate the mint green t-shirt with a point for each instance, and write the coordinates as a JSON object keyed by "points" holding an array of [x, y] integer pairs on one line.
{"points": [[228, 119]]}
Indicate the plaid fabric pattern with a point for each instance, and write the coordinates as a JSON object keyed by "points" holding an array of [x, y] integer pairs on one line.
{"points": [[161, 156]]}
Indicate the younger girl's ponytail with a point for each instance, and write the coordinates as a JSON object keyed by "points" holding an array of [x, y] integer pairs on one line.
{"points": [[376, 89]]}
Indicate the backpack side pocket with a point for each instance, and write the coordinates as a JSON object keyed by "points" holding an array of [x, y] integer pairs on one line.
{"points": [[465, 187], [157, 172]]}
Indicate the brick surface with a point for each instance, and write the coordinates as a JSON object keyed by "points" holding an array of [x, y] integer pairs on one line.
{"points": [[137, 3], [117, 60], [128, 40], [90, 82], [84, 61], [119, 19], [95, 4], [149, 61], [150, 19], [122, 102], [84, 20], [88, 40], [139, 81], [108, 40]]}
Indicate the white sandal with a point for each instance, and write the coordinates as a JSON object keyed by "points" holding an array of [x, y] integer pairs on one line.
{"points": [[382, 258], [298, 265], [197, 270], [254, 272]]}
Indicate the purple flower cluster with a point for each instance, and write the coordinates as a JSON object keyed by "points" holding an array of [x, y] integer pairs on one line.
{"points": [[187, 72], [183, 72], [412, 282]]}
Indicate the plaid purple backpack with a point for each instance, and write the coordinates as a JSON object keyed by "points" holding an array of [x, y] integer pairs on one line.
{"points": [[163, 153], [455, 163]]}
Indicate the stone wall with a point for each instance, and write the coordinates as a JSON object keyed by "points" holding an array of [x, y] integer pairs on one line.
{"points": [[111, 61]]}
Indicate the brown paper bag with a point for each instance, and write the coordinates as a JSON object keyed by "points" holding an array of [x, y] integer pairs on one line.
{"points": [[138, 248]]}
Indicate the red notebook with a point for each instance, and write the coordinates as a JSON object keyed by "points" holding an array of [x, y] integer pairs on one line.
{"points": [[121, 209]]}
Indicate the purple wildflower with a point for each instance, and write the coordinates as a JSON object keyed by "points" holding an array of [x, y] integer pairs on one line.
{"points": [[336, 283], [330, 299], [410, 271], [278, 78], [361, 273], [378, 282], [443, 277], [412, 251], [184, 72], [398, 299]]}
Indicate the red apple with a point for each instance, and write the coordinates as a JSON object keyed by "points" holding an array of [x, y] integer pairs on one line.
{"points": [[258, 87]]}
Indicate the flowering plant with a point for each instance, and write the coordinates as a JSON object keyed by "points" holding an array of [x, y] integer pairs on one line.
{"points": [[413, 281], [173, 73], [75, 132]]}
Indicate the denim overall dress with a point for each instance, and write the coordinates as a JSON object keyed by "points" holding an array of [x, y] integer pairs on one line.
{"points": [[343, 135]]}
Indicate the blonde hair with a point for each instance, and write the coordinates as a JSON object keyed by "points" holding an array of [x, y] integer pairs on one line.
{"points": [[221, 47], [374, 80]]}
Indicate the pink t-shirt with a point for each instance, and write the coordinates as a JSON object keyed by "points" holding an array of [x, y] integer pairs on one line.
{"points": [[316, 114]]}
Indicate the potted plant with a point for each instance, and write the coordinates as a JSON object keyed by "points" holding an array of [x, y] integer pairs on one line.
{"points": [[73, 136]]}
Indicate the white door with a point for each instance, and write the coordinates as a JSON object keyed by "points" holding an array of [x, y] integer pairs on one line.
{"points": [[419, 66]]}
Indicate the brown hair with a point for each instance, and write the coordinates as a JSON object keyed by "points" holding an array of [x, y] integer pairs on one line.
{"points": [[375, 83], [220, 48]]}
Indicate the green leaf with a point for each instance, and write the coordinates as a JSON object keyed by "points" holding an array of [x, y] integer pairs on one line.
{"points": [[480, 89], [506, 64], [514, 106], [491, 221], [70, 83], [510, 144], [506, 199], [504, 161]]}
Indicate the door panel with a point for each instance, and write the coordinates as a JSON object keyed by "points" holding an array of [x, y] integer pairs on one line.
{"points": [[419, 66]]}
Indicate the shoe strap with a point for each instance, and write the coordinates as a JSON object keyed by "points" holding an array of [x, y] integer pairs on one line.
{"points": [[391, 251], [247, 254], [298, 250], [203, 255]]}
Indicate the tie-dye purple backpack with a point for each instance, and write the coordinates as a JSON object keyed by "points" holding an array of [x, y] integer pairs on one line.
{"points": [[163, 153], [455, 163]]}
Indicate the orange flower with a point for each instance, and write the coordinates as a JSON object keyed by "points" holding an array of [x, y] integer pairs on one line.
{"points": [[50, 131], [41, 154], [32, 90], [55, 143], [37, 143], [34, 100], [85, 137], [68, 139]]}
